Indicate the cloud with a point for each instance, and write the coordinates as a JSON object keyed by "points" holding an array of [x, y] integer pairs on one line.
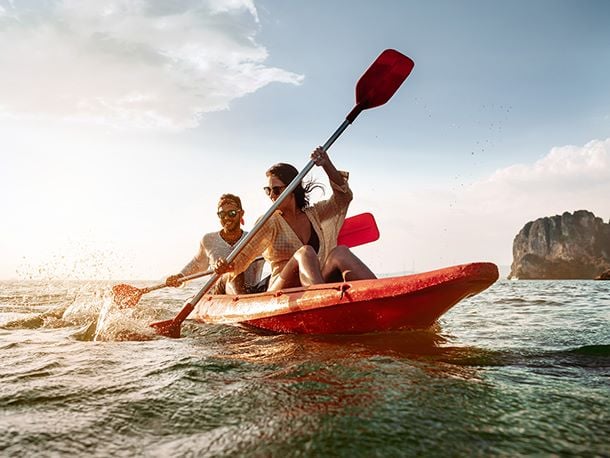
{"points": [[568, 177], [583, 166], [132, 63], [435, 227]]}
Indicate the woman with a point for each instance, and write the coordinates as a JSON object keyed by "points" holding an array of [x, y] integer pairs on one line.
{"points": [[217, 245], [299, 240]]}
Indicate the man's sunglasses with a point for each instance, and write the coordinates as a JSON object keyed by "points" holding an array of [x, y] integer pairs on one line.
{"points": [[274, 190], [230, 213]]}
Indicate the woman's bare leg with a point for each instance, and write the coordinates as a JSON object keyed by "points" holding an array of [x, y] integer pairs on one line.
{"points": [[342, 260], [303, 269]]}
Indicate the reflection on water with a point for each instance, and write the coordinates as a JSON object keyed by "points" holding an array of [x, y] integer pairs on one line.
{"points": [[521, 369]]}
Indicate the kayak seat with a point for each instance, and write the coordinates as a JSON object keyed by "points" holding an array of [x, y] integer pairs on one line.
{"points": [[259, 287]]}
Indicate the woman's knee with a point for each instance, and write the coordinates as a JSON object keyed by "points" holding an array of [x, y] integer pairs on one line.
{"points": [[305, 252]]}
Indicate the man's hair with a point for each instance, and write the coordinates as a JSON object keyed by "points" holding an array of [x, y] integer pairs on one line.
{"points": [[229, 198]]}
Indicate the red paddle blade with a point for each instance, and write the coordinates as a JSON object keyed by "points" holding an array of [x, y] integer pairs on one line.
{"points": [[126, 295], [358, 230], [381, 81], [169, 328]]}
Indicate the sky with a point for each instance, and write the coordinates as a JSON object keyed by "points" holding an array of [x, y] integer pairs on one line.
{"points": [[122, 122]]}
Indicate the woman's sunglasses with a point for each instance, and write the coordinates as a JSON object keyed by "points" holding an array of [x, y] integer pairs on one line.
{"points": [[230, 213], [274, 190]]}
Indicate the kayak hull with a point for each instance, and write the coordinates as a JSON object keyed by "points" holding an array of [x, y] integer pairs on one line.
{"points": [[357, 307]]}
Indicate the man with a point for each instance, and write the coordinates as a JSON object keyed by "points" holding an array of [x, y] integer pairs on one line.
{"points": [[216, 245]]}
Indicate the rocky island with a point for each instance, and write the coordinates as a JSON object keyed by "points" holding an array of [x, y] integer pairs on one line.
{"points": [[567, 246]]}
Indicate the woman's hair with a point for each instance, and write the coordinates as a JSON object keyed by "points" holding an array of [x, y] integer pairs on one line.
{"points": [[287, 173], [229, 198]]}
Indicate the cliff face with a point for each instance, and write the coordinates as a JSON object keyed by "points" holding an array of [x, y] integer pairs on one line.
{"points": [[570, 246]]}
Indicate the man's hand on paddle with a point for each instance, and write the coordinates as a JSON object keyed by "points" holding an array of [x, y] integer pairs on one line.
{"points": [[174, 280]]}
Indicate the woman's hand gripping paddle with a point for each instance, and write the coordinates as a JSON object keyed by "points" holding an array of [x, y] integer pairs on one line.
{"points": [[356, 230], [374, 88]]}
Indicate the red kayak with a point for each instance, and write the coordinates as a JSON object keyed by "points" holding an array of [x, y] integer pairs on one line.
{"points": [[385, 304]]}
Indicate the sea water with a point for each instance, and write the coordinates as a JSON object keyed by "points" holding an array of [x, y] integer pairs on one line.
{"points": [[521, 369]]}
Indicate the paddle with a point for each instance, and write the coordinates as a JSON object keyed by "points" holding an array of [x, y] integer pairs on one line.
{"points": [[128, 296], [374, 88], [356, 230]]}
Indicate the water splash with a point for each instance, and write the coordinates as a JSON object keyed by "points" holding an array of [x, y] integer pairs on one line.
{"points": [[75, 260], [87, 306], [115, 323]]}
